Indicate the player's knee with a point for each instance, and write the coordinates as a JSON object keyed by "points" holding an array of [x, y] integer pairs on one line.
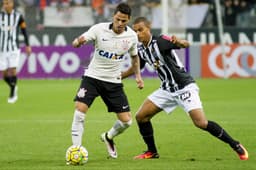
{"points": [[141, 118], [81, 107], [138, 117], [201, 124], [127, 124]]}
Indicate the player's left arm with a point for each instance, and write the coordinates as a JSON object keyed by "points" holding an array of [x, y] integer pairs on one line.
{"points": [[127, 73], [179, 42], [23, 27], [136, 70], [130, 70]]}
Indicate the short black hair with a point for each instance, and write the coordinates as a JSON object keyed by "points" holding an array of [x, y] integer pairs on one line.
{"points": [[123, 8], [142, 19]]}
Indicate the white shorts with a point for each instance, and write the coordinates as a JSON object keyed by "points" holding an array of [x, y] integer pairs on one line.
{"points": [[9, 59], [187, 98]]}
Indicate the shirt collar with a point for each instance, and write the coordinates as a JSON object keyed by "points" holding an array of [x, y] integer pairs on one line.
{"points": [[111, 26], [149, 42], [7, 12]]}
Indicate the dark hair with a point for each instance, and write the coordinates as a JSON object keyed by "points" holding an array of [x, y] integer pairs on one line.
{"points": [[142, 19], [123, 8]]}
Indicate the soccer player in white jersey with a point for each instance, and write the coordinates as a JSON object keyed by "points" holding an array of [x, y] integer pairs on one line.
{"points": [[103, 77], [10, 23], [178, 88]]}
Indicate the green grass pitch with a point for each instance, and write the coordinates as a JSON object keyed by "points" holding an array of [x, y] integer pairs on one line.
{"points": [[35, 132]]}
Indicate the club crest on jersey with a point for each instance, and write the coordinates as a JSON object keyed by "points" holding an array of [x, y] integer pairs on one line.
{"points": [[125, 44], [110, 55], [156, 64]]}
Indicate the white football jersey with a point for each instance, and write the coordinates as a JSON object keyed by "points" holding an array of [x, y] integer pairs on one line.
{"points": [[109, 52]]}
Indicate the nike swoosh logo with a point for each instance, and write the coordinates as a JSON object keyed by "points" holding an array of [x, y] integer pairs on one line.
{"points": [[125, 107], [103, 39]]}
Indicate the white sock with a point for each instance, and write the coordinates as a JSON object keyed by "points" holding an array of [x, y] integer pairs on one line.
{"points": [[77, 127], [118, 128]]}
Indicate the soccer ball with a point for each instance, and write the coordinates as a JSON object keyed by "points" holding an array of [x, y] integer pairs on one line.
{"points": [[76, 155]]}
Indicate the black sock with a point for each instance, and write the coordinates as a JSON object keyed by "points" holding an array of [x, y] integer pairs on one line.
{"points": [[220, 133], [7, 80], [146, 130], [13, 82]]}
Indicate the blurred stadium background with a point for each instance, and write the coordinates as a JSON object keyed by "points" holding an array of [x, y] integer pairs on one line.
{"points": [[214, 53]]}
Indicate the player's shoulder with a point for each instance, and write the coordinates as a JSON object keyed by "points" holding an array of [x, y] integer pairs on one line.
{"points": [[101, 25], [162, 38], [17, 12], [131, 34], [162, 42], [130, 31]]}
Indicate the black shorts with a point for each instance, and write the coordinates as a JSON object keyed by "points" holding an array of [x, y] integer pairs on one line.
{"points": [[111, 93]]}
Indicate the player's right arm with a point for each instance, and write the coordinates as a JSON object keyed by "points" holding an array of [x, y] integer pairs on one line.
{"points": [[89, 35], [136, 69], [77, 42]]}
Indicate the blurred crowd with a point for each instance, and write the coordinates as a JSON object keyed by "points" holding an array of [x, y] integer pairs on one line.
{"points": [[238, 13]]}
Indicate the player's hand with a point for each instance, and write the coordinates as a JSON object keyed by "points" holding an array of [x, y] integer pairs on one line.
{"points": [[174, 39], [78, 42], [140, 83], [28, 50], [179, 42]]}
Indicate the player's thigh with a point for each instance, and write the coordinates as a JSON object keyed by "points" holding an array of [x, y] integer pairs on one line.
{"points": [[189, 99], [114, 97], [164, 100]]}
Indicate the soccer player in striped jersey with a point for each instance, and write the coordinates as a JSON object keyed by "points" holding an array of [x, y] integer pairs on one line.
{"points": [[178, 88], [10, 23], [112, 40]]}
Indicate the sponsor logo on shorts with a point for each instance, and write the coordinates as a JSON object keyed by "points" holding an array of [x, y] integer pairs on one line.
{"points": [[125, 107], [184, 96]]}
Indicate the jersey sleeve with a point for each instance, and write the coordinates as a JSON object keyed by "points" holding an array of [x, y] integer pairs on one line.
{"points": [[91, 34], [164, 42], [22, 24], [134, 50]]}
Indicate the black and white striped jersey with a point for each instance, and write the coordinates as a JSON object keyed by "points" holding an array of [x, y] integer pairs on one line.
{"points": [[9, 30], [160, 54]]}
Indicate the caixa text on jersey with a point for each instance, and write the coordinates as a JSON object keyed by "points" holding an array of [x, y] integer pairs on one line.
{"points": [[110, 55]]}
